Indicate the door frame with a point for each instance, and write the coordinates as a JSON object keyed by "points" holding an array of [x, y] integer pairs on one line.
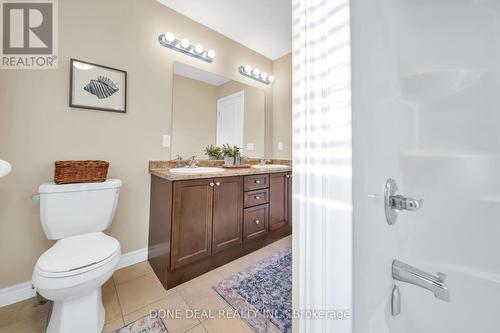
{"points": [[322, 211], [241, 94]]}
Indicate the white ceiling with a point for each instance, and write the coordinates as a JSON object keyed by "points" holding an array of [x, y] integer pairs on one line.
{"points": [[264, 26], [199, 74]]}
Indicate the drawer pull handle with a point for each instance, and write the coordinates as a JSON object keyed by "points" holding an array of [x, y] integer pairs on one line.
{"points": [[257, 197], [257, 182], [217, 183], [211, 184], [257, 221]]}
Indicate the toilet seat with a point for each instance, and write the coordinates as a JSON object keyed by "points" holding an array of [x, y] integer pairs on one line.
{"points": [[78, 254]]}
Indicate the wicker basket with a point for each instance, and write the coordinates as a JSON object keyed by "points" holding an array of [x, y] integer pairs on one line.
{"points": [[68, 172]]}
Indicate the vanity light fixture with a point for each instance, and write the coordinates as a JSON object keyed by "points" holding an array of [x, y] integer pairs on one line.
{"points": [[184, 45], [256, 74]]}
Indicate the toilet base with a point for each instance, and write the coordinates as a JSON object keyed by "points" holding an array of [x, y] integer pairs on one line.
{"points": [[84, 314]]}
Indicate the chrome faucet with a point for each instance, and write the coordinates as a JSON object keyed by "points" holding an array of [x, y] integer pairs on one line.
{"points": [[406, 273], [263, 162], [192, 162]]}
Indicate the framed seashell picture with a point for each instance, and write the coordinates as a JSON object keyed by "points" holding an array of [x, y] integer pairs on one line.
{"points": [[97, 87]]}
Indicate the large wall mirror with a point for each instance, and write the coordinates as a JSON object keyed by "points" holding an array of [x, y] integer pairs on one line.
{"points": [[209, 109]]}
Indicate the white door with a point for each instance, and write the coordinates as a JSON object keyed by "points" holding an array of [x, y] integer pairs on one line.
{"points": [[230, 113]]}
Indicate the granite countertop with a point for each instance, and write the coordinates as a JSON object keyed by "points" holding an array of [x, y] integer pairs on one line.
{"points": [[162, 169]]}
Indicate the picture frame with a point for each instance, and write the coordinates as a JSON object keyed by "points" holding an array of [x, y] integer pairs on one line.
{"points": [[97, 87]]}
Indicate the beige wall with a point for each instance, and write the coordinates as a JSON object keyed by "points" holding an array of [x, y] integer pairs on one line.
{"points": [[281, 123], [194, 121], [254, 117], [37, 127]]}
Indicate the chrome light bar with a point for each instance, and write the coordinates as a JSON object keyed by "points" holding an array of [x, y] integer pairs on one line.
{"points": [[256, 74], [184, 46]]}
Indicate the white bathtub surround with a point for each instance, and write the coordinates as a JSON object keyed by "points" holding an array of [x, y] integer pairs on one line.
{"points": [[322, 214], [425, 113], [5, 168]]}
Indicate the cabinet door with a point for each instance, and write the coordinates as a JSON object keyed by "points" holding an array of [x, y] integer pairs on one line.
{"points": [[278, 200], [289, 197], [191, 221], [228, 213]]}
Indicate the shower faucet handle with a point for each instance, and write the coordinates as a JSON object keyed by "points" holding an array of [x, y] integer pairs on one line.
{"points": [[400, 202], [395, 202]]}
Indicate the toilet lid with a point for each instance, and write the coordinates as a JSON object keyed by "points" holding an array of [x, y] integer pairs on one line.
{"points": [[78, 252]]}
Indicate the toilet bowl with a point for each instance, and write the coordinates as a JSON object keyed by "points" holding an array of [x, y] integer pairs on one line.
{"points": [[71, 274], [73, 270]]}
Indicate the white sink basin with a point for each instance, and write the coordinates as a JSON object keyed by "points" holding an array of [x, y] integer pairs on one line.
{"points": [[196, 171], [270, 166]]}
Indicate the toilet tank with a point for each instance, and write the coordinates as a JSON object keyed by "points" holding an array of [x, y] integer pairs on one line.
{"points": [[74, 209]]}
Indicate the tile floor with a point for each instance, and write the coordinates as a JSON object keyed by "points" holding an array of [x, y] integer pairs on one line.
{"points": [[133, 291]]}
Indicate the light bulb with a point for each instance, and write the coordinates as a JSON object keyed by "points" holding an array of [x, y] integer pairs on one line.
{"points": [[185, 43], [256, 71], [5, 168], [271, 78], [198, 48], [169, 37], [211, 54], [248, 69], [263, 75]]}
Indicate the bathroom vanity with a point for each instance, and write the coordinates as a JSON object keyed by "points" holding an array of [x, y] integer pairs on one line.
{"points": [[206, 216], [201, 221]]}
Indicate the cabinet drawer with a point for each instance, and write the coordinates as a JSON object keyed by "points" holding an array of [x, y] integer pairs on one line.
{"points": [[255, 220], [256, 197], [256, 182]]}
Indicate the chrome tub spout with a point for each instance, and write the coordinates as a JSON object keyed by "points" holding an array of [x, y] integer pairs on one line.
{"points": [[409, 274]]}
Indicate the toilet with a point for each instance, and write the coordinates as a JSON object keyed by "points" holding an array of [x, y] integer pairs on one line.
{"points": [[73, 270]]}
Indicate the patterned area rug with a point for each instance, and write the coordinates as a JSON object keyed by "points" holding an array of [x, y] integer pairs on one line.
{"points": [[146, 324], [262, 293]]}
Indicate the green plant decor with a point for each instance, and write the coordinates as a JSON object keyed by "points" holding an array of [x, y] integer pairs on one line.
{"points": [[213, 152], [229, 151]]}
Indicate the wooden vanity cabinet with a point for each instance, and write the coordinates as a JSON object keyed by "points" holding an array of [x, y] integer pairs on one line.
{"points": [[200, 224]]}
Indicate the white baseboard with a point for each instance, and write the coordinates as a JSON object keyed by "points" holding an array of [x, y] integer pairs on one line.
{"points": [[16, 293], [133, 257], [21, 291]]}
